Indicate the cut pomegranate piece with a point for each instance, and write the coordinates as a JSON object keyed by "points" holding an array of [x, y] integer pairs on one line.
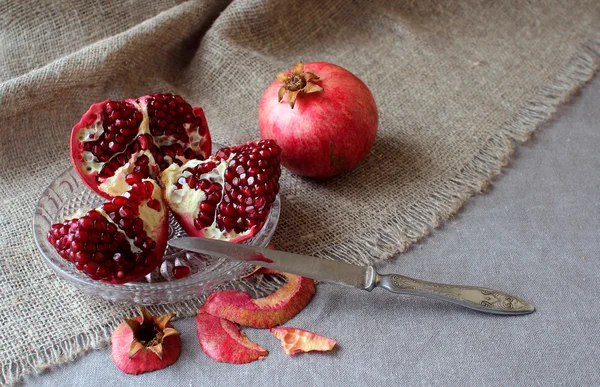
{"points": [[223, 341], [227, 196], [145, 343], [120, 241], [267, 312], [294, 340], [118, 143]]}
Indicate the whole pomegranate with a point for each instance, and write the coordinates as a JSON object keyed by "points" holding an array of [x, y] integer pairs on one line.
{"points": [[329, 123]]}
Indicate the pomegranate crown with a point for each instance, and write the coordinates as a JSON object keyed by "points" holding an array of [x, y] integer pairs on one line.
{"points": [[295, 82], [150, 333]]}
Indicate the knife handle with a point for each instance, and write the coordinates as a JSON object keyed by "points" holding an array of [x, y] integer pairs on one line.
{"points": [[480, 299]]}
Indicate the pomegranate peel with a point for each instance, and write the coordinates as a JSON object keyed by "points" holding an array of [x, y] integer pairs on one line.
{"points": [[294, 340], [227, 196], [145, 343], [223, 341], [117, 143], [266, 312]]}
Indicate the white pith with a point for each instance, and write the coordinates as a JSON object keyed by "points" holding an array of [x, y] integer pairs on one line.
{"points": [[116, 184], [94, 131], [91, 133], [186, 200], [152, 218], [77, 214]]}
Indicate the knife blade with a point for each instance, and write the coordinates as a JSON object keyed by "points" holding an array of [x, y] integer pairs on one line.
{"points": [[362, 277]]}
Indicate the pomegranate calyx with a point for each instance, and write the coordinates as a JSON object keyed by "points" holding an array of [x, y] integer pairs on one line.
{"points": [[149, 333], [295, 82]]}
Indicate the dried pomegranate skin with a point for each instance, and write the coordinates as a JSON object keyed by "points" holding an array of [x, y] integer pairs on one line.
{"points": [[143, 361], [295, 340], [120, 241], [327, 132], [267, 312], [227, 196], [223, 341], [112, 135]]}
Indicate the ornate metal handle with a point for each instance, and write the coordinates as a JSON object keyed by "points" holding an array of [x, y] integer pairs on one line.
{"points": [[481, 299]]}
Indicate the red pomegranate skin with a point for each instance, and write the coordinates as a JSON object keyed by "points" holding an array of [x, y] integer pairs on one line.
{"points": [[327, 132]]}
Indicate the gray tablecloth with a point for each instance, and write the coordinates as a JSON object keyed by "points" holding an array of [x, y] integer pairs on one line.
{"points": [[536, 233]]}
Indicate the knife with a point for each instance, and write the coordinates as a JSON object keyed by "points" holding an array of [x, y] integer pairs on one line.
{"points": [[362, 277]]}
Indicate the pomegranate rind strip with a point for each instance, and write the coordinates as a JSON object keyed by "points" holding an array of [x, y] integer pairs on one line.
{"points": [[266, 312], [224, 342], [294, 340]]}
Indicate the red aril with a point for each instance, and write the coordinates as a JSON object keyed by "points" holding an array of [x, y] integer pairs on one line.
{"points": [[120, 241], [118, 143], [227, 196], [322, 116]]}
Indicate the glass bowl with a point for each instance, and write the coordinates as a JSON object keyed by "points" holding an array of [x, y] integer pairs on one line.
{"points": [[68, 193]]}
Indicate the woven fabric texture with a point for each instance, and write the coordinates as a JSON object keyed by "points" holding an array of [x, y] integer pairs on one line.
{"points": [[456, 84]]}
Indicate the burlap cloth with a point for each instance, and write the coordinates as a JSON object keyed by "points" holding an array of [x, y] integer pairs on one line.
{"points": [[456, 83]]}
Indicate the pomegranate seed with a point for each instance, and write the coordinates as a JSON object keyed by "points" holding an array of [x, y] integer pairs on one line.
{"points": [[181, 271], [229, 222], [81, 235], [76, 246], [132, 178], [207, 207], [86, 223], [260, 202], [91, 267], [154, 204], [100, 224], [145, 141], [125, 223], [82, 257], [126, 212], [203, 185], [138, 225], [111, 229], [120, 201], [149, 187]]}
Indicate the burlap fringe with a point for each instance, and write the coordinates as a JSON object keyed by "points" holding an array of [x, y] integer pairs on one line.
{"points": [[402, 231], [410, 226], [74, 347]]}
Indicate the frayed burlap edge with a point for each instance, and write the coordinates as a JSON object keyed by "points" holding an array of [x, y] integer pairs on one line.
{"points": [[417, 222], [74, 347], [404, 229]]}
